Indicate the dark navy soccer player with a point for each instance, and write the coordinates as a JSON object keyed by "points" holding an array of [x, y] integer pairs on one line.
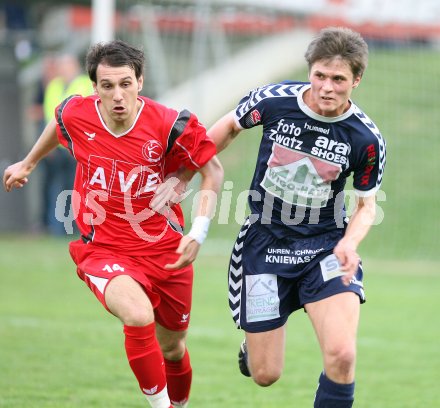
{"points": [[297, 249]]}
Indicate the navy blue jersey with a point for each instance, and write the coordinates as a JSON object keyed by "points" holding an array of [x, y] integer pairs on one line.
{"points": [[305, 158]]}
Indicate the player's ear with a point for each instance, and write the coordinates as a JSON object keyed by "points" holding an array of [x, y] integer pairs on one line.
{"points": [[95, 90], [357, 82], [140, 83]]}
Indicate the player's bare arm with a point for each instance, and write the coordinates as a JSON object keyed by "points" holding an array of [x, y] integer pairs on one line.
{"points": [[224, 131], [212, 178], [16, 175], [360, 222]]}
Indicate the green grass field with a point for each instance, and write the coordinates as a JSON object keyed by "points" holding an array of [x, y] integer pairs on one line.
{"points": [[60, 349]]}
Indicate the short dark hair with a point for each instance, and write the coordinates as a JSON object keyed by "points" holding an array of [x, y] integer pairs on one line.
{"points": [[115, 54], [340, 42]]}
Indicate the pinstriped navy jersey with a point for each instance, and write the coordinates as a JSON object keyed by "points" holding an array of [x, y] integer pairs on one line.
{"points": [[304, 160]]}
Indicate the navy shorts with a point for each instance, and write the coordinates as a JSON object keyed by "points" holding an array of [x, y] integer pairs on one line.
{"points": [[270, 278]]}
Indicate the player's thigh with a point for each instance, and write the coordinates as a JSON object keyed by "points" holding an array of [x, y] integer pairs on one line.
{"points": [[126, 299], [266, 349], [332, 307], [117, 281], [335, 320]]}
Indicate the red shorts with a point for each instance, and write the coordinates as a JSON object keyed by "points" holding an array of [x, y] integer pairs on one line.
{"points": [[170, 292]]}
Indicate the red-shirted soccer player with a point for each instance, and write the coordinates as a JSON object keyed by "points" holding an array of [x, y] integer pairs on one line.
{"points": [[132, 253]]}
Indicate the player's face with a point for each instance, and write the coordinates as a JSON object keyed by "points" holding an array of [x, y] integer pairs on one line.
{"points": [[118, 90], [331, 85]]}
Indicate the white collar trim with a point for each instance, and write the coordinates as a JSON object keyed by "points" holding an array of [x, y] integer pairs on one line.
{"points": [[128, 130], [315, 115]]}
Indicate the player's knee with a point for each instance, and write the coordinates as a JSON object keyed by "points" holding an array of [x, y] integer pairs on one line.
{"points": [[341, 359], [265, 377], [135, 317], [173, 350], [126, 299]]}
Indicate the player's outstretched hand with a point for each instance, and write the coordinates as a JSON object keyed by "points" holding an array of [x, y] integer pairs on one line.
{"points": [[16, 176], [173, 190], [188, 249], [348, 259], [165, 195]]}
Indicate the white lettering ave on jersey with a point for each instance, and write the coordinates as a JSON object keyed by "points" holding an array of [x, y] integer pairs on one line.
{"points": [[120, 178]]}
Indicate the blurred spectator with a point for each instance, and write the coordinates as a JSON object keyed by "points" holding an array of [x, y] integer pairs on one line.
{"points": [[36, 111], [14, 16], [59, 166]]}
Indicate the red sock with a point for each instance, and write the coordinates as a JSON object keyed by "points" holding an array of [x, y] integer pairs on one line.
{"points": [[179, 376], [145, 358]]}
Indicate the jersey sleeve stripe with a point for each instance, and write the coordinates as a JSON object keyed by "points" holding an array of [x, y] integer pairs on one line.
{"points": [[380, 140], [268, 91], [178, 128], [189, 155], [59, 119]]}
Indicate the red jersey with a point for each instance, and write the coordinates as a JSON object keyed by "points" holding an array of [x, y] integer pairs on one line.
{"points": [[117, 175]]}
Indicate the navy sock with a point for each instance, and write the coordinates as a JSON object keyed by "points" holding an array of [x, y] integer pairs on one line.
{"points": [[332, 395]]}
